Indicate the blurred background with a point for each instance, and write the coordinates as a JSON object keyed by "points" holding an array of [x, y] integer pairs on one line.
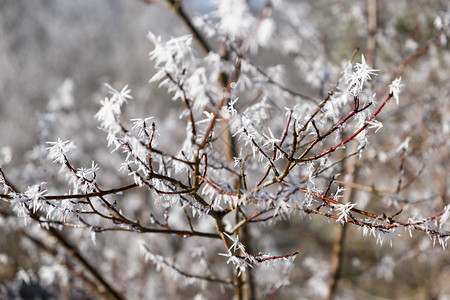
{"points": [[56, 55]]}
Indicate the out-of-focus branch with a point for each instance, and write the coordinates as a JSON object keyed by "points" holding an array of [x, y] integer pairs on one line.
{"points": [[67, 245], [374, 189], [412, 58], [69, 267], [337, 256], [351, 165], [72, 249], [178, 9], [372, 30]]}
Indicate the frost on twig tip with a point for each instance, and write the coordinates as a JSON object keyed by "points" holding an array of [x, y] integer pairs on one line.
{"points": [[59, 149], [395, 88], [344, 211], [362, 73], [404, 145]]}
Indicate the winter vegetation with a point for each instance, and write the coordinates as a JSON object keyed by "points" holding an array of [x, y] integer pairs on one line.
{"points": [[236, 149]]}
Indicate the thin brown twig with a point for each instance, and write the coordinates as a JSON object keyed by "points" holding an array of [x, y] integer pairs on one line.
{"points": [[177, 7]]}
